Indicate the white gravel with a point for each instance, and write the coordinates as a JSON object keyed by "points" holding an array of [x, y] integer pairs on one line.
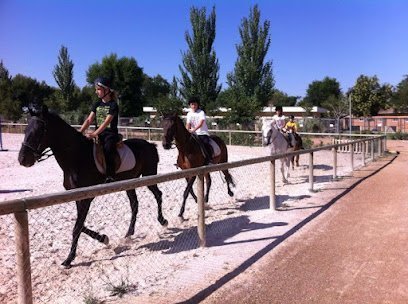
{"points": [[161, 265]]}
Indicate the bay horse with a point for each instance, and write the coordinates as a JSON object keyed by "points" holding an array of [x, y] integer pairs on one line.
{"points": [[190, 155], [74, 154]]}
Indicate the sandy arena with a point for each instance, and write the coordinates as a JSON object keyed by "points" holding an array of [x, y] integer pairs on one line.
{"points": [[157, 265]]}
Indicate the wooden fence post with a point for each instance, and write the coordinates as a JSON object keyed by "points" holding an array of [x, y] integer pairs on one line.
{"points": [[372, 150], [272, 194], [311, 172], [24, 289], [201, 210], [334, 150], [352, 157], [364, 152]]}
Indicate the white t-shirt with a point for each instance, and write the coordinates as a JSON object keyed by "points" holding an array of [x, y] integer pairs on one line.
{"points": [[280, 120], [194, 118]]}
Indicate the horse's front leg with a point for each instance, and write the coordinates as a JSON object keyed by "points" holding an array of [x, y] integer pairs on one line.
{"points": [[158, 196], [208, 182], [185, 195], [82, 212], [283, 163]]}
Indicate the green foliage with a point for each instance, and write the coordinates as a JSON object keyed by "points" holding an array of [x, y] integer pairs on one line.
{"points": [[397, 136], [200, 68], [153, 88], [338, 107], [368, 96], [8, 107], [127, 80], [312, 126], [307, 142], [280, 98], [251, 81], [18, 91], [64, 76], [400, 99], [319, 91], [168, 105]]}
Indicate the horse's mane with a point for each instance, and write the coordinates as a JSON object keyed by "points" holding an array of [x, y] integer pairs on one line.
{"points": [[64, 127]]}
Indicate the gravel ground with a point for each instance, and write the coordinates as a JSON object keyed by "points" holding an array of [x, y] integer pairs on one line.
{"points": [[158, 265]]}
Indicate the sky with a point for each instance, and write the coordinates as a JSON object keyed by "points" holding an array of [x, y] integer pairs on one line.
{"points": [[310, 40]]}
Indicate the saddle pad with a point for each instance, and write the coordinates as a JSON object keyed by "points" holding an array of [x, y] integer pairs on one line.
{"points": [[215, 147], [127, 159]]}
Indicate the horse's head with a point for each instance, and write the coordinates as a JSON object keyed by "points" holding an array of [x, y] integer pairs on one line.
{"points": [[35, 139], [268, 127], [169, 129]]}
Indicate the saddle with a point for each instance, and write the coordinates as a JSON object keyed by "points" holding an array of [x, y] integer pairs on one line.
{"points": [[216, 150], [124, 158]]}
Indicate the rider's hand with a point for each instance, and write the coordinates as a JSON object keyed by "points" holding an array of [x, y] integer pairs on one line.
{"points": [[90, 135]]}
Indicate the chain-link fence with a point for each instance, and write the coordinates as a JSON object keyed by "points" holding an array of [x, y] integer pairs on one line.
{"points": [[155, 259]]}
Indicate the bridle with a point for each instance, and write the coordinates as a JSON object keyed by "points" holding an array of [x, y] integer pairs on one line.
{"points": [[40, 156], [172, 144]]}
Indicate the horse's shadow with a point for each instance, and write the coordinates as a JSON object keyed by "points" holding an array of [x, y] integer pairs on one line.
{"points": [[319, 178], [323, 167], [260, 203], [216, 235], [15, 190]]}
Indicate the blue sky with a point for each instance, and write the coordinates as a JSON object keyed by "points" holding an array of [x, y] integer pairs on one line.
{"points": [[309, 39]]}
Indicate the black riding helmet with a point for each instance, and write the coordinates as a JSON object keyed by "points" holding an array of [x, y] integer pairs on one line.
{"points": [[103, 82], [194, 99]]}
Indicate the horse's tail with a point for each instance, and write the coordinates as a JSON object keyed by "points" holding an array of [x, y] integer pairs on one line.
{"points": [[155, 153]]}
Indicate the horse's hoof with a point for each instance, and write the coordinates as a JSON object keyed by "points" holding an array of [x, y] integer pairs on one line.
{"points": [[66, 265], [106, 240], [181, 219], [164, 223], [230, 193], [207, 206]]}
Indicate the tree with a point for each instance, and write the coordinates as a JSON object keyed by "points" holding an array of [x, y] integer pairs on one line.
{"points": [[368, 96], [8, 107], [338, 108], [19, 91], [153, 88], [319, 91], [200, 69], [400, 99], [127, 80], [280, 98], [64, 77], [252, 80]]}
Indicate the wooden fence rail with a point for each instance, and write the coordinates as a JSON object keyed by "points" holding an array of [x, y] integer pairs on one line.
{"points": [[20, 206]]}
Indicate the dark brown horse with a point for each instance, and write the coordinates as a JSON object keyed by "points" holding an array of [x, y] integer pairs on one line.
{"points": [[74, 154], [297, 144], [191, 155]]}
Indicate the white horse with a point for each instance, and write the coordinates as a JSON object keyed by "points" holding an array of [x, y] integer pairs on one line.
{"points": [[272, 136]]}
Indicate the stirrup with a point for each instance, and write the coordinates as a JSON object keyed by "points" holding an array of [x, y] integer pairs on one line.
{"points": [[109, 179]]}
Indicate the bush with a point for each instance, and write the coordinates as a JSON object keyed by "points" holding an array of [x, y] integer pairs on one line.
{"points": [[398, 136]]}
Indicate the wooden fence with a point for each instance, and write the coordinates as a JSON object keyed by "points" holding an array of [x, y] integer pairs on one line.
{"points": [[370, 148]]}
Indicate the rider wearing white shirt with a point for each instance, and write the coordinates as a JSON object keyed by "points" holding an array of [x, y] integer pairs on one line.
{"points": [[196, 124], [279, 118]]}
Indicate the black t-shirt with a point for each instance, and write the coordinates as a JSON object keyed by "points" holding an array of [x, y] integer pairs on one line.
{"points": [[102, 110]]}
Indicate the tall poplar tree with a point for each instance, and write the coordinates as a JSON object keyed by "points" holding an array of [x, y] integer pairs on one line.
{"points": [[252, 80], [200, 68], [64, 75]]}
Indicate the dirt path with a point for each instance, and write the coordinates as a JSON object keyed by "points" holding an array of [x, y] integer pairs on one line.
{"points": [[353, 252]]}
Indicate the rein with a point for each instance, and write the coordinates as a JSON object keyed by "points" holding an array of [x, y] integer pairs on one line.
{"points": [[40, 156]]}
